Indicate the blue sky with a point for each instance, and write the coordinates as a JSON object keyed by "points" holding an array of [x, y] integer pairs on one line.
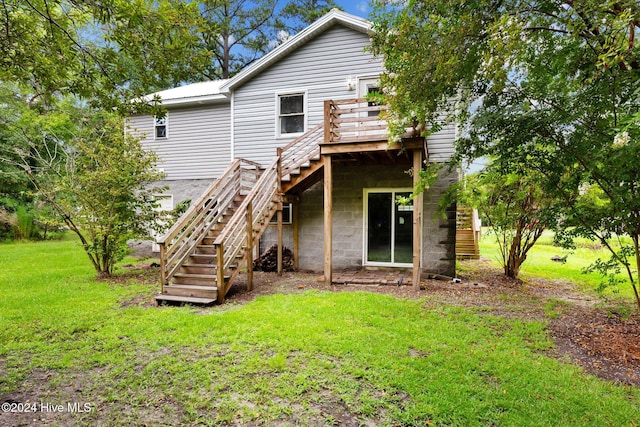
{"points": [[355, 7]]}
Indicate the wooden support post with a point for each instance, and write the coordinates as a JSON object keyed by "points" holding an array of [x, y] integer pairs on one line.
{"points": [[163, 265], [249, 250], [417, 222], [220, 272], [280, 239], [296, 232], [328, 220]]}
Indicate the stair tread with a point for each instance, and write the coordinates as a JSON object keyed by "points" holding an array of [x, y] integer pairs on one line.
{"points": [[195, 276], [193, 287], [196, 300], [199, 265]]}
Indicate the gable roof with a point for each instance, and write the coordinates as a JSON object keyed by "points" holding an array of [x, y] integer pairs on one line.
{"points": [[332, 18], [219, 90]]}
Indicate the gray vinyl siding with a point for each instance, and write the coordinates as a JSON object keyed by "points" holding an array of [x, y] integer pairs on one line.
{"points": [[320, 68], [198, 145], [440, 144]]}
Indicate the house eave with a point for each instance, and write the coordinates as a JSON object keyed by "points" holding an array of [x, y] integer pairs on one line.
{"points": [[196, 100]]}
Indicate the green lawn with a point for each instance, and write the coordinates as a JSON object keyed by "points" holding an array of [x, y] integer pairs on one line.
{"points": [[314, 358], [539, 263]]}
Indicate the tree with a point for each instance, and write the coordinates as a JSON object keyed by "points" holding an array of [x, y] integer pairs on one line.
{"points": [[514, 207], [557, 89], [105, 51], [95, 177], [237, 33], [305, 12]]}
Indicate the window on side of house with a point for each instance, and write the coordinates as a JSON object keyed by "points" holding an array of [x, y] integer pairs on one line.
{"points": [[286, 215], [160, 127], [291, 114], [373, 89]]}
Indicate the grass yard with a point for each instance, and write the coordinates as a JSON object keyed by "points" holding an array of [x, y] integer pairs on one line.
{"points": [[539, 263], [309, 358]]}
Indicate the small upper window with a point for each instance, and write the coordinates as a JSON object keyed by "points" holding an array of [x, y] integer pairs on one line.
{"points": [[161, 127], [291, 113], [373, 89]]}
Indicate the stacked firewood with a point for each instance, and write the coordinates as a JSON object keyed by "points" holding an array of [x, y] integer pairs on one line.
{"points": [[268, 261]]}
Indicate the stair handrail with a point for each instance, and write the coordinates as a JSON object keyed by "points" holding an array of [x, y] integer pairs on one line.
{"points": [[301, 150], [182, 238], [263, 200]]}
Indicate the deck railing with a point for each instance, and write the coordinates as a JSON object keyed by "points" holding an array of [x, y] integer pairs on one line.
{"points": [[354, 120], [183, 237]]}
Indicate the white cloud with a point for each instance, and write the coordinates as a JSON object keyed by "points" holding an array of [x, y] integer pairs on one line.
{"points": [[282, 37], [363, 7]]}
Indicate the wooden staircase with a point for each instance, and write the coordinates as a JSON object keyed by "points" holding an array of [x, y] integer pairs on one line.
{"points": [[200, 255], [203, 252], [467, 233]]}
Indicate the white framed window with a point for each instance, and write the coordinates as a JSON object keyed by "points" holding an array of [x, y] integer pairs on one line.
{"points": [[287, 218], [367, 85], [160, 127], [291, 114]]}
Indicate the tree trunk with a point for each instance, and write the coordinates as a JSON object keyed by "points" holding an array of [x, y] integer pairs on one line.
{"points": [[636, 248]]}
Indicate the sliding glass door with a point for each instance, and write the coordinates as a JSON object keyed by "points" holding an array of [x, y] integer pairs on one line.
{"points": [[388, 228]]}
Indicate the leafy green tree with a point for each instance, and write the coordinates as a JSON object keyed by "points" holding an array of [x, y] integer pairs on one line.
{"points": [[103, 51], [97, 179], [552, 86], [513, 206]]}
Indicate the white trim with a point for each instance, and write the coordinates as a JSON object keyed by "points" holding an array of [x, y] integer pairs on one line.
{"points": [[335, 16], [365, 226], [373, 78], [200, 100], [305, 112]]}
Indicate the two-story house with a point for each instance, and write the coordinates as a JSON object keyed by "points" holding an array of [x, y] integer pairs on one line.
{"points": [[314, 153]]}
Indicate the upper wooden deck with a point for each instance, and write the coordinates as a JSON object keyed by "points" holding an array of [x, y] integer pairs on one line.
{"points": [[359, 125]]}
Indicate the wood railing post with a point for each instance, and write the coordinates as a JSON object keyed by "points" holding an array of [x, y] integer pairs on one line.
{"points": [[327, 121], [279, 169], [163, 265], [250, 246], [220, 272]]}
